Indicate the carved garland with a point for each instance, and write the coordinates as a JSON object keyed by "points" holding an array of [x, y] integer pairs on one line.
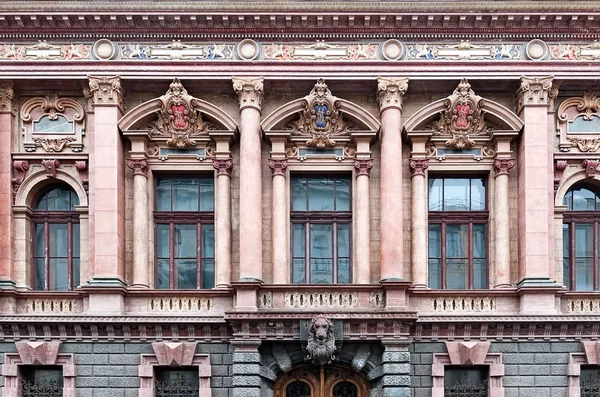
{"points": [[321, 118], [179, 117], [462, 118]]}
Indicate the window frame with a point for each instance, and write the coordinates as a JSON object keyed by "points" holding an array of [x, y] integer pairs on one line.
{"points": [[333, 218], [172, 218], [470, 218]]}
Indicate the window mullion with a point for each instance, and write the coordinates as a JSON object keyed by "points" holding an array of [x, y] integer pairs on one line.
{"points": [[46, 255], [69, 255], [307, 253], [334, 268], [199, 255], [572, 261], [172, 284], [470, 270], [595, 253], [443, 244]]}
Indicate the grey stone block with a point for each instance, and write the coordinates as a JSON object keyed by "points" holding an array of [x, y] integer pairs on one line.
{"points": [[534, 347], [76, 347], [132, 392], [426, 381], [422, 392], [396, 368], [91, 359], [511, 392], [220, 370], [247, 381], [109, 392], [551, 358], [124, 359], [109, 348], [8, 348], [397, 392], [91, 382], [518, 358], [212, 348], [511, 370], [518, 381], [246, 369], [220, 392], [566, 347], [395, 357], [433, 347], [427, 359], [109, 370], [534, 392], [558, 392], [81, 392], [554, 381], [216, 381], [216, 359], [533, 370], [396, 380], [228, 382], [228, 359], [140, 348], [246, 357], [422, 370], [131, 370], [84, 370], [558, 370], [499, 347], [246, 392], [124, 382]]}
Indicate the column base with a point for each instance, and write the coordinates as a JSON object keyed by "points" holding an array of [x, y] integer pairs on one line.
{"points": [[537, 296], [395, 293], [7, 284], [105, 300], [538, 282], [140, 286], [106, 282], [503, 286], [246, 294]]}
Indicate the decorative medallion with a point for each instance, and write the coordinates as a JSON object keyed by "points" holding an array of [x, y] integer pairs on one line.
{"points": [[462, 118], [321, 342], [537, 50], [586, 145], [321, 118], [588, 106], [179, 117]]}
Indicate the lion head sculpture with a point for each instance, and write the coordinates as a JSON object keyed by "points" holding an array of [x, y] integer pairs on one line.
{"points": [[321, 342]]}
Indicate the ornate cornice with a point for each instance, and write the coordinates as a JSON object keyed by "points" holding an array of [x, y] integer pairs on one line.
{"points": [[223, 166], [535, 91], [6, 97], [249, 91], [106, 90], [390, 92], [139, 166], [503, 166], [418, 166], [363, 166], [278, 166]]}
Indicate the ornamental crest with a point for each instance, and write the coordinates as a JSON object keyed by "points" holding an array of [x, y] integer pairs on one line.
{"points": [[321, 341], [321, 118], [179, 117], [462, 118]]}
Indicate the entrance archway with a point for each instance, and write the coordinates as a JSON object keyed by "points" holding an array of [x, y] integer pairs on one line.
{"points": [[326, 381]]}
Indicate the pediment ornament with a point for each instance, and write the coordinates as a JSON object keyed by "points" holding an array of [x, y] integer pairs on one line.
{"points": [[588, 106], [462, 118], [179, 118], [321, 118]]}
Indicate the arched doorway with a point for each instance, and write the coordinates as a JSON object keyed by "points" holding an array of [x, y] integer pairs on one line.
{"points": [[326, 381]]}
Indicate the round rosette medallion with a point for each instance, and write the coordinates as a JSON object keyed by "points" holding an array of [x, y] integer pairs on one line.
{"points": [[537, 50], [105, 50], [247, 50], [392, 50]]}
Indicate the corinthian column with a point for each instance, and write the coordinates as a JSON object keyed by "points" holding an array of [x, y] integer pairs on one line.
{"points": [[223, 222], [140, 221], [280, 258], [7, 271], [419, 223], [250, 92], [390, 93], [363, 221], [501, 274]]}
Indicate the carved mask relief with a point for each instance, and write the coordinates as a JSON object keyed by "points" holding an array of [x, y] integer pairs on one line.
{"points": [[321, 341]]}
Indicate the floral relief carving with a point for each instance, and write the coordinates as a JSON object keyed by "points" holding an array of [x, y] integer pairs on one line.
{"points": [[6, 97], [418, 166], [278, 166], [139, 166], [179, 118], [106, 90], [586, 144], [503, 166], [223, 166], [321, 118], [462, 118], [54, 144], [590, 167], [390, 92], [249, 91], [51, 166], [363, 166], [535, 91]]}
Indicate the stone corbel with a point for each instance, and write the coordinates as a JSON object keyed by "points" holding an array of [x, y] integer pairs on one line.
{"points": [[467, 353], [20, 168], [249, 91], [590, 167], [38, 353], [81, 167], [51, 165], [592, 351], [559, 169], [174, 354]]}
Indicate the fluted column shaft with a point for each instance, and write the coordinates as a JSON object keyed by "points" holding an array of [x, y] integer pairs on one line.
{"points": [[501, 274], [390, 96], [419, 223], [250, 97], [141, 272], [223, 222], [363, 222], [281, 266]]}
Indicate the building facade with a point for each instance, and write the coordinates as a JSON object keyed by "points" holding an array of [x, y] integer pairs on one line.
{"points": [[299, 199]]}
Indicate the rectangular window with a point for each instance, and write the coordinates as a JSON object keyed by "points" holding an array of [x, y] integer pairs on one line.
{"points": [[321, 219], [185, 234], [466, 381], [41, 381], [182, 382], [457, 233]]}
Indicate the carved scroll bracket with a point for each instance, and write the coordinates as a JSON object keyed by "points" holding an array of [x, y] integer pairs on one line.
{"points": [[20, 168], [590, 167], [82, 169], [559, 169], [51, 166]]}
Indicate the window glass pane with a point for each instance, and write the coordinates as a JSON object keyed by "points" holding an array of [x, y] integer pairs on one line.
{"points": [[185, 194], [299, 194], [185, 241], [76, 272], [208, 254], [162, 241], [163, 193], [39, 240], [207, 195], [58, 124], [176, 382], [435, 194], [479, 274], [59, 199], [186, 273], [478, 241], [459, 381], [298, 253], [435, 241], [58, 274], [456, 273], [321, 254], [320, 194], [584, 240], [208, 273], [435, 273], [457, 241], [40, 274], [584, 274], [343, 236], [456, 194], [590, 380], [584, 200], [568, 200], [297, 389], [298, 271], [58, 241], [477, 194], [76, 240], [162, 273], [566, 256], [342, 194], [44, 381]]}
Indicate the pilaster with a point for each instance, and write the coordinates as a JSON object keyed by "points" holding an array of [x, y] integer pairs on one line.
{"points": [[7, 276], [280, 209], [141, 247], [223, 167], [418, 167], [501, 273], [363, 221], [246, 368], [396, 379]]}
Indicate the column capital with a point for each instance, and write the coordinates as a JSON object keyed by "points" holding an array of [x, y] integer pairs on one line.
{"points": [[536, 91], [105, 90], [139, 166], [418, 166], [363, 166], [6, 96], [223, 166], [278, 166], [502, 166], [249, 91], [390, 92]]}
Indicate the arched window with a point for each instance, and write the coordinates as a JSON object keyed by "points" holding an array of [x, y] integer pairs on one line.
{"points": [[580, 238], [56, 240]]}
